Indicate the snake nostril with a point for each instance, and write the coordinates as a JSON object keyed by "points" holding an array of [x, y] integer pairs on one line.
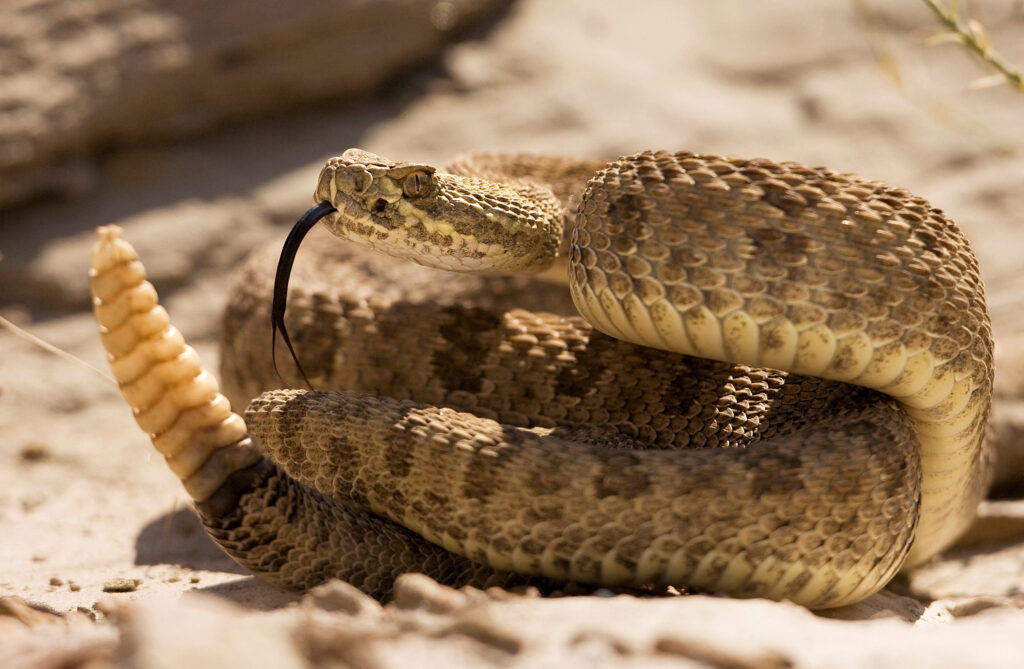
{"points": [[379, 205]]}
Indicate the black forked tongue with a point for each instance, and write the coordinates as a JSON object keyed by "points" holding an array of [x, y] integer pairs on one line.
{"points": [[284, 270]]}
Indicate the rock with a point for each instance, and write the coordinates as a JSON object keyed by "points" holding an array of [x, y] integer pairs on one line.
{"points": [[468, 628], [121, 584], [417, 592], [986, 563], [445, 627], [79, 77], [998, 522], [27, 614], [36, 637], [884, 604], [1007, 435], [165, 634], [87, 648], [339, 596]]}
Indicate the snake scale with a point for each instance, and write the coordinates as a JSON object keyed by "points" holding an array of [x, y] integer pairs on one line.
{"points": [[780, 388]]}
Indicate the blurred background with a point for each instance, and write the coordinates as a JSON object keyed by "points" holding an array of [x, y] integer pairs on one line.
{"points": [[181, 114], [201, 127]]}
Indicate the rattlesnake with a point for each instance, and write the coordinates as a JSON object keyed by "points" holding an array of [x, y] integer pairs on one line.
{"points": [[525, 444]]}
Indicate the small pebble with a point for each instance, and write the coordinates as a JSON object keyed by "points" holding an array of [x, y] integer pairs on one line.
{"points": [[194, 579], [32, 501], [73, 587], [34, 451], [89, 613], [56, 581], [121, 584]]}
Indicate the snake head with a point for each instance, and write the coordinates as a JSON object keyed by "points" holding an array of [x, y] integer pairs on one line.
{"points": [[371, 185], [412, 211], [368, 191]]}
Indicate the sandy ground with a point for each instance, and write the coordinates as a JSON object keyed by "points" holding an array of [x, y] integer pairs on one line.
{"points": [[83, 499]]}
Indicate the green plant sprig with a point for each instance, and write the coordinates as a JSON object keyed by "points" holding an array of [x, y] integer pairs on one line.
{"points": [[972, 34]]}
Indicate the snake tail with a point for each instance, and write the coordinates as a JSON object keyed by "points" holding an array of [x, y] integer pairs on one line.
{"points": [[286, 533]]}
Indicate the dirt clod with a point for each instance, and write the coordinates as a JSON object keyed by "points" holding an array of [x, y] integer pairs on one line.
{"points": [[121, 584]]}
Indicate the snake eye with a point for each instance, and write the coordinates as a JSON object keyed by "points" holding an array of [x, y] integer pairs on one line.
{"points": [[417, 184], [362, 181]]}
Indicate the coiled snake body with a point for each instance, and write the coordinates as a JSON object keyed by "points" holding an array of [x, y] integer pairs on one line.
{"points": [[790, 404]]}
